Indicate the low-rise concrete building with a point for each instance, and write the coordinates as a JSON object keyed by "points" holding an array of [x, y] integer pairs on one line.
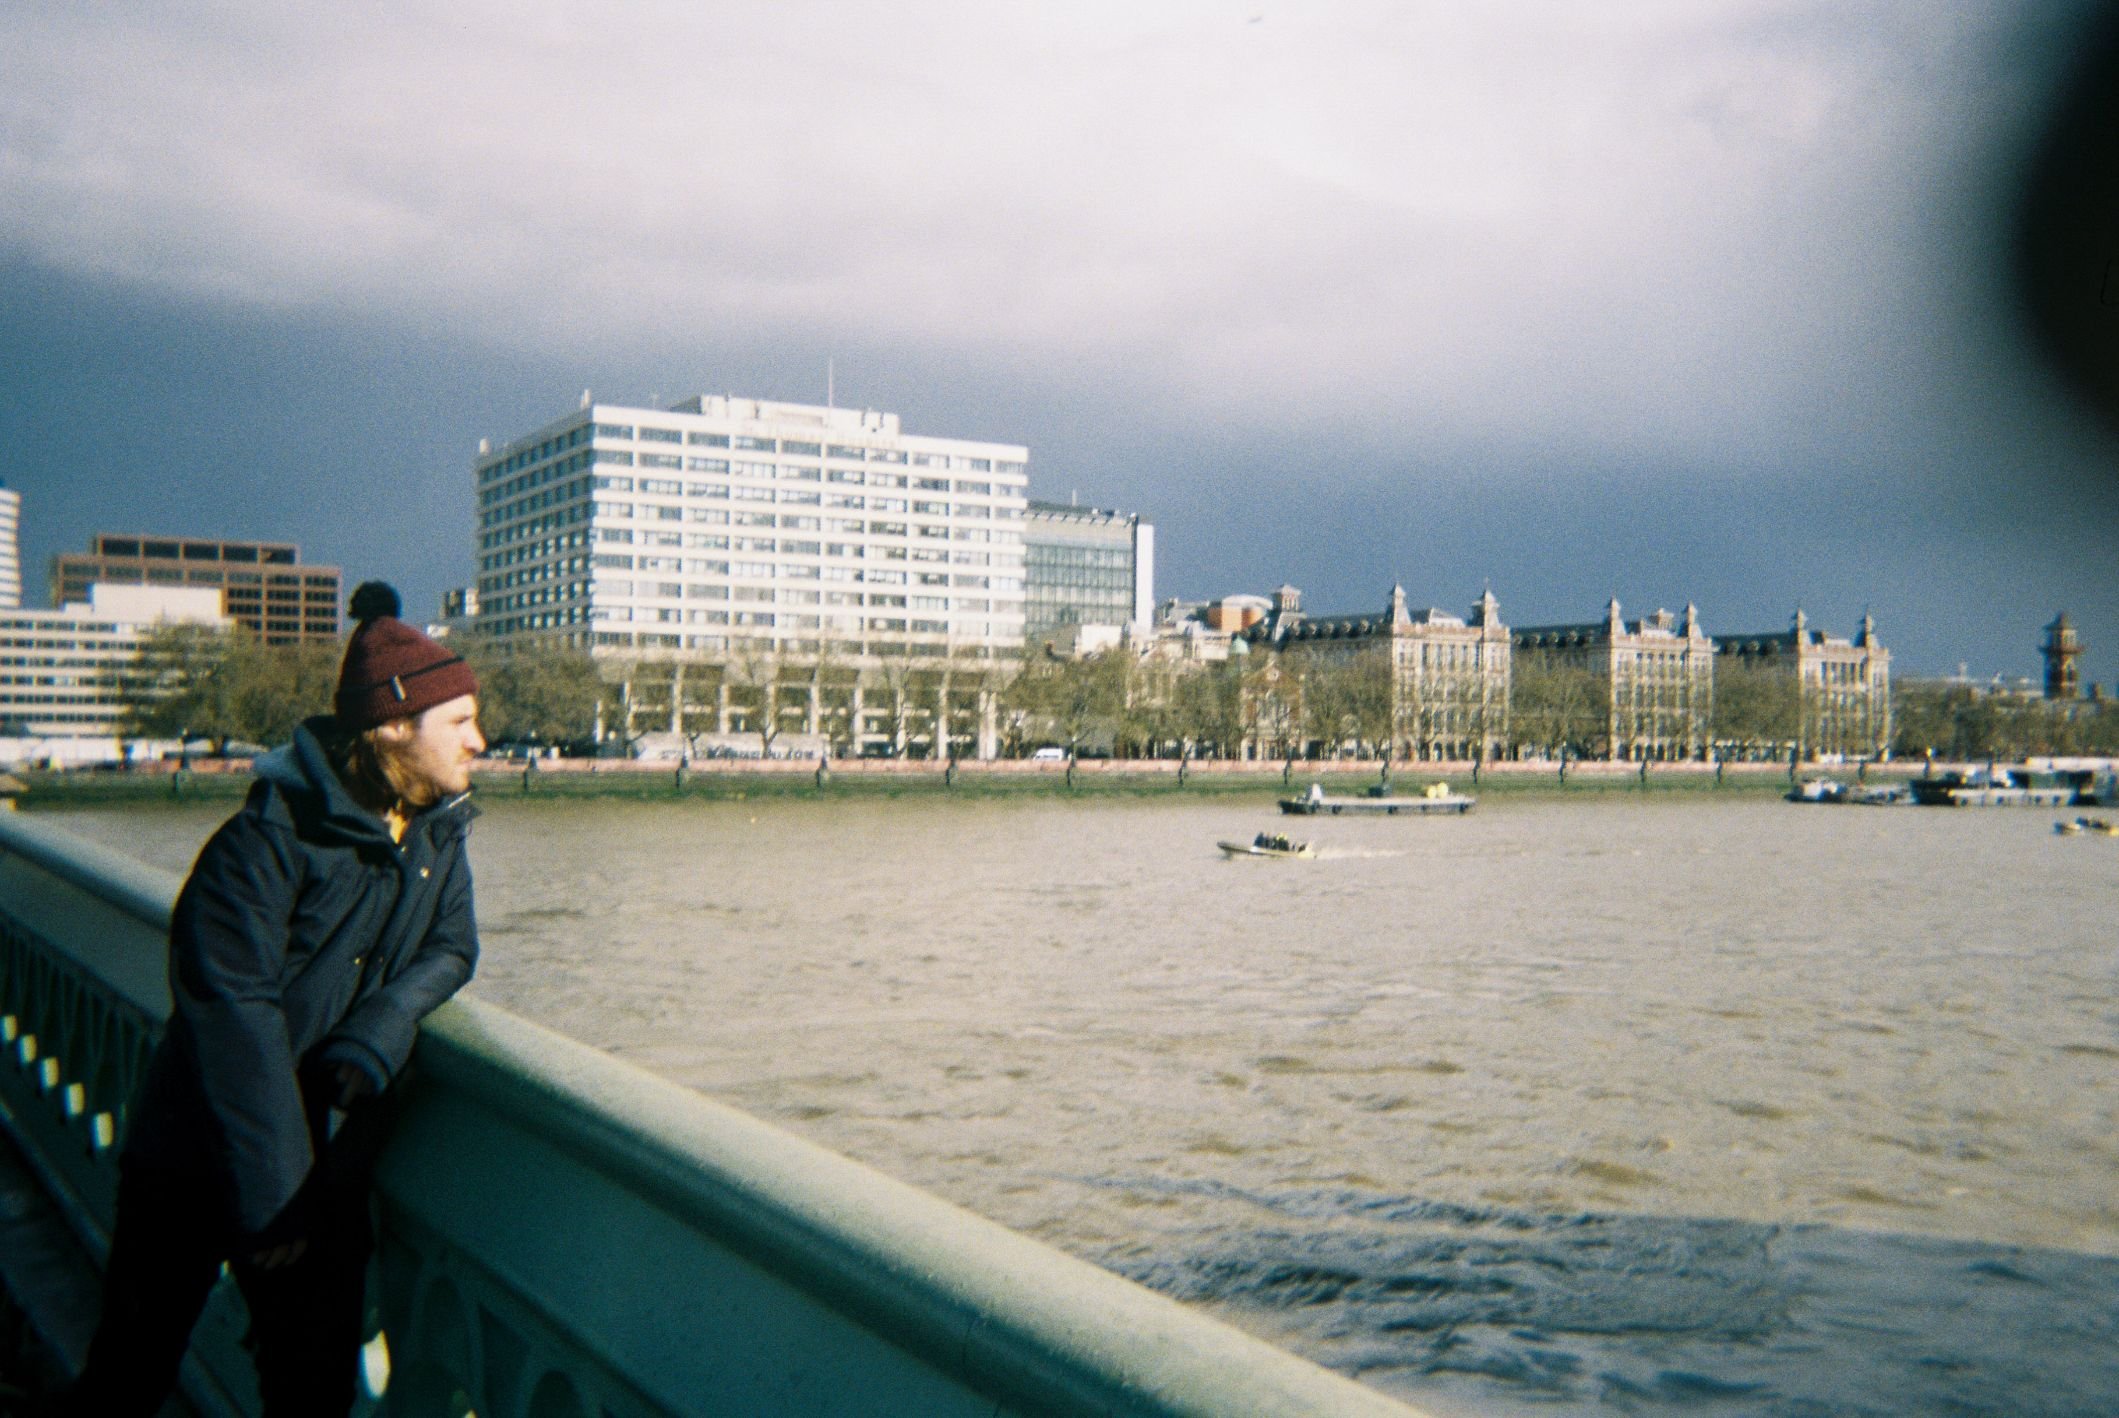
{"points": [[61, 670], [265, 586]]}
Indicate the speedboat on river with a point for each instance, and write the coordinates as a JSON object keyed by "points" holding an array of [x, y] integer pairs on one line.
{"points": [[1269, 844]]}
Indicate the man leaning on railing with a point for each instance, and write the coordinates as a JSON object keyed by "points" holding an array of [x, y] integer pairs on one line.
{"points": [[318, 926]]}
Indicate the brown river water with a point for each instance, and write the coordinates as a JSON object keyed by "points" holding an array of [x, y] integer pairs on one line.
{"points": [[1597, 1105]]}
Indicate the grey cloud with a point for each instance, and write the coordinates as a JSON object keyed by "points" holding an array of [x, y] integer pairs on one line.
{"points": [[1526, 206]]}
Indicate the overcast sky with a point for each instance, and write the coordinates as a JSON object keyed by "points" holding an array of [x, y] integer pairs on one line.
{"points": [[1666, 301]]}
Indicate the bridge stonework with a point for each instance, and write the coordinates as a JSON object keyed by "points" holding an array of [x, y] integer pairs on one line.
{"points": [[564, 1235]]}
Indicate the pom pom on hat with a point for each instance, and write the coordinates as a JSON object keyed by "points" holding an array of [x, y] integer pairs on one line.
{"points": [[375, 598], [393, 670]]}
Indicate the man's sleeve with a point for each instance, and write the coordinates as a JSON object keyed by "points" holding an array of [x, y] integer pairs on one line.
{"points": [[377, 1035], [228, 951]]}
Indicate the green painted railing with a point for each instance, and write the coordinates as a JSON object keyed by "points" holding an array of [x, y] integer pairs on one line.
{"points": [[564, 1234]]}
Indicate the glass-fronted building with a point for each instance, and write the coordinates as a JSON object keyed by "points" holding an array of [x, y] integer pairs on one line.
{"points": [[725, 526], [10, 548], [1087, 566]]}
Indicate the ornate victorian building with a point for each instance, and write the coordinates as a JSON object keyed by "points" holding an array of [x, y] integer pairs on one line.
{"points": [[1841, 688], [1442, 682], [1655, 677]]}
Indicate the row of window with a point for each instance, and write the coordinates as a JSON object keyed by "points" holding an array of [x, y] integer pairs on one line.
{"points": [[522, 496], [897, 625], [527, 458], [788, 497], [102, 663], [795, 522], [785, 595], [77, 579], [606, 583], [43, 628], [805, 448], [58, 714], [999, 641], [536, 453], [537, 531], [990, 649], [533, 528], [799, 571], [1060, 555], [534, 551], [45, 691], [808, 497], [750, 540], [769, 472], [194, 551], [494, 519], [1114, 581]]}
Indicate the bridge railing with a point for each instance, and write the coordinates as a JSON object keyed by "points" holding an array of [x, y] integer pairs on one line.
{"points": [[565, 1234]]}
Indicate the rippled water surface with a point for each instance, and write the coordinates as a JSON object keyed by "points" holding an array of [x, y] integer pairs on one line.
{"points": [[1595, 1105]]}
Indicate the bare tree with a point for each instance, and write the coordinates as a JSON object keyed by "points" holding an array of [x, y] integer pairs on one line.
{"points": [[1758, 707], [223, 684], [755, 666], [540, 693], [1073, 701], [1559, 707], [1370, 700]]}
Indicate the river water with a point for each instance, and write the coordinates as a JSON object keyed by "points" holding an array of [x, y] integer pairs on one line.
{"points": [[1611, 1104]]}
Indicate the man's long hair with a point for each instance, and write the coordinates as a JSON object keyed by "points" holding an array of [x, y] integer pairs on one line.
{"points": [[371, 765]]}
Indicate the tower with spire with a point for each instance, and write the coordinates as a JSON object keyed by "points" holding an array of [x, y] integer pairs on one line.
{"points": [[2061, 648]]}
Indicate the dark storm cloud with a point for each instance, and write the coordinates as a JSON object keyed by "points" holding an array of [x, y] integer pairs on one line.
{"points": [[1582, 301]]}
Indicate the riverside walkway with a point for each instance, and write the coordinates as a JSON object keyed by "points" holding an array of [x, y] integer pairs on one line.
{"points": [[564, 1235]]}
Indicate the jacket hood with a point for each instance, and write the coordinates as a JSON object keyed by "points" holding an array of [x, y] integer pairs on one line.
{"points": [[302, 771]]}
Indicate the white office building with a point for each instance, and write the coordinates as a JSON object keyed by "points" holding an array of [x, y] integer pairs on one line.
{"points": [[60, 670], [725, 526], [10, 548]]}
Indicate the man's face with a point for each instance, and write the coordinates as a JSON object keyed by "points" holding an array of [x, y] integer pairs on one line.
{"points": [[432, 760]]}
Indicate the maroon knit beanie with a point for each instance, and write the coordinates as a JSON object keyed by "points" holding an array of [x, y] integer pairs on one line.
{"points": [[393, 670]]}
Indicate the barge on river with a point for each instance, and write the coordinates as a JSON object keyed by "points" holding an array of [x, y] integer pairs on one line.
{"points": [[1435, 799], [1831, 790], [1995, 787]]}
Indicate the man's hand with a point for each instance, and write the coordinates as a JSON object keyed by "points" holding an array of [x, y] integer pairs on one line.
{"points": [[353, 1085], [280, 1255]]}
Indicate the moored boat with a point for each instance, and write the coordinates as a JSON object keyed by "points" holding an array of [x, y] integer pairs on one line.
{"points": [[1434, 799], [1994, 787], [1831, 790]]}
